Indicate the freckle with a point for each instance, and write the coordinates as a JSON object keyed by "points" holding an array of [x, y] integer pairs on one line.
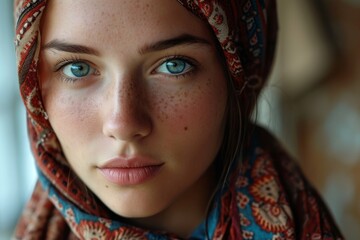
{"points": [[107, 186], [164, 114]]}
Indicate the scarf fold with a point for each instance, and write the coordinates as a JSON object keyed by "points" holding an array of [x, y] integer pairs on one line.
{"points": [[62, 207]]}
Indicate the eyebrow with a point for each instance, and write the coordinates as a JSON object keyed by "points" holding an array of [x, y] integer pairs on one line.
{"points": [[69, 47], [184, 39]]}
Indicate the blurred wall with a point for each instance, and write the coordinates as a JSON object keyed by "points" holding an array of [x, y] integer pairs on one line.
{"points": [[316, 88], [17, 174]]}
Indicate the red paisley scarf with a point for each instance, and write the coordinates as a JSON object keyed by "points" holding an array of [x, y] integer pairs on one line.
{"points": [[59, 209]]}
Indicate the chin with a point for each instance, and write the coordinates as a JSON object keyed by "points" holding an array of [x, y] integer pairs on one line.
{"points": [[135, 209], [136, 213]]}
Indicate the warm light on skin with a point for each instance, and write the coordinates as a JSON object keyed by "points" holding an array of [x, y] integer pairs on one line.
{"points": [[126, 105]]}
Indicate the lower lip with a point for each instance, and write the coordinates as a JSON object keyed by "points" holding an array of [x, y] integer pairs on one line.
{"points": [[130, 176]]}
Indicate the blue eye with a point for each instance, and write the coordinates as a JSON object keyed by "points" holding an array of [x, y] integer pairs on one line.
{"points": [[77, 70], [176, 66]]}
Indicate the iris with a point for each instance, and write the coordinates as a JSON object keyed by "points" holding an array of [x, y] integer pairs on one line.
{"points": [[176, 66], [80, 69]]}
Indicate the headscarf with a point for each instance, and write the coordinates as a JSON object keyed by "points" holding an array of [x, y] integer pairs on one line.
{"points": [[61, 206]]}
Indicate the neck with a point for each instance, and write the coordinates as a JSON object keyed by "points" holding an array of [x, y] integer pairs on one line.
{"points": [[187, 212]]}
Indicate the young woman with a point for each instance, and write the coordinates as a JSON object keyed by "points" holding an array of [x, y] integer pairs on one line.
{"points": [[139, 122]]}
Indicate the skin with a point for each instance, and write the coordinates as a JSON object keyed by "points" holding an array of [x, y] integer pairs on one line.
{"points": [[128, 105]]}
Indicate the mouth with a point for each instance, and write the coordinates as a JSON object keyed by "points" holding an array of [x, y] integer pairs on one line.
{"points": [[130, 171]]}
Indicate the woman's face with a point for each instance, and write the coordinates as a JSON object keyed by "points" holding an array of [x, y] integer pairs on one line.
{"points": [[136, 94]]}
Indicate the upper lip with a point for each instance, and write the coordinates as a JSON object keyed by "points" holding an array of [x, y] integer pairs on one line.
{"points": [[130, 162]]}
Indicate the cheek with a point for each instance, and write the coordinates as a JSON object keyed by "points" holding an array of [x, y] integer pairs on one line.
{"points": [[72, 118], [193, 108]]}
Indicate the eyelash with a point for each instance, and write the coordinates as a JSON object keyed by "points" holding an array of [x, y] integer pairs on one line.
{"points": [[191, 62], [63, 63], [59, 66]]}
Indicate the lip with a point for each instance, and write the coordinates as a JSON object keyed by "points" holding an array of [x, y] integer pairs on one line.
{"points": [[130, 171]]}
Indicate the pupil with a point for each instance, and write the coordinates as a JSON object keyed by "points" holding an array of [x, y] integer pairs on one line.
{"points": [[80, 69], [175, 66]]}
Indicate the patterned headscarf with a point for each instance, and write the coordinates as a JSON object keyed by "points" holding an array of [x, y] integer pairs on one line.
{"points": [[246, 31]]}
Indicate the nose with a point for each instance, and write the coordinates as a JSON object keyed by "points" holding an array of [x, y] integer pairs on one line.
{"points": [[125, 113]]}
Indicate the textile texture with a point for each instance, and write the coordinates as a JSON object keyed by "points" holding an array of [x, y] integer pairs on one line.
{"points": [[267, 196]]}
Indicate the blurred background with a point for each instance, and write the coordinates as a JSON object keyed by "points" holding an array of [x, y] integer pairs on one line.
{"points": [[312, 103], [17, 171]]}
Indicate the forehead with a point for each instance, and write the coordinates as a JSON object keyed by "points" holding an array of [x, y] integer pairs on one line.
{"points": [[119, 21]]}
